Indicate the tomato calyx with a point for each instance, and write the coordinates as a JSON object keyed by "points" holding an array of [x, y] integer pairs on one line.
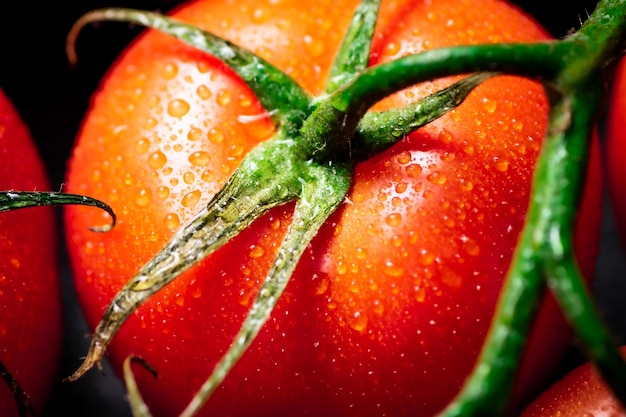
{"points": [[309, 160]]}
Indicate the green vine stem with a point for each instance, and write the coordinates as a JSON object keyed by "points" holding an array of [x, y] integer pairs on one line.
{"points": [[319, 134], [22, 400], [13, 200]]}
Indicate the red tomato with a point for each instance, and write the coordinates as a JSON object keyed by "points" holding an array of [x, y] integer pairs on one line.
{"points": [[30, 328], [390, 304], [582, 392], [616, 149]]}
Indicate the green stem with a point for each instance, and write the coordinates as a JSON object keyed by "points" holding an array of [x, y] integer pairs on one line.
{"points": [[322, 193], [13, 200], [277, 92], [378, 131], [354, 53], [243, 199], [22, 400]]}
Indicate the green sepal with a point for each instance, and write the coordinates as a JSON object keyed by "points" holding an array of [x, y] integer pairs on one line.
{"points": [[280, 95], [354, 52], [13, 200]]}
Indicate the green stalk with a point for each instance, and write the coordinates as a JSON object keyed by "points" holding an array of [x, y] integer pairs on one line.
{"points": [[278, 93], [13, 200]]}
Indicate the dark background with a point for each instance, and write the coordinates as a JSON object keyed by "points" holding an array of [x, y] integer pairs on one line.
{"points": [[52, 99]]}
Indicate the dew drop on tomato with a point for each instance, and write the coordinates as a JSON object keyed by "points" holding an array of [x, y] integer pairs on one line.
{"points": [[178, 108], [142, 145], [191, 198], [189, 177], [157, 160], [169, 71], [216, 135], [204, 92], [223, 97], [171, 221]]}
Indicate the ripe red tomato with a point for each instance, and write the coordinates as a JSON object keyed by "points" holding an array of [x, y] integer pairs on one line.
{"points": [[30, 328], [582, 392], [616, 149], [390, 304]]}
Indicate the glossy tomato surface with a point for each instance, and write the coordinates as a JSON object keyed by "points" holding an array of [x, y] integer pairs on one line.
{"points": [[616, 148], [389, 306], [30, 327], [582, 392]]}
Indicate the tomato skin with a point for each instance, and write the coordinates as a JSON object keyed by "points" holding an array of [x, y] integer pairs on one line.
{"points": [[389, 306], [581, 392], [616, 149], [30, 328]]}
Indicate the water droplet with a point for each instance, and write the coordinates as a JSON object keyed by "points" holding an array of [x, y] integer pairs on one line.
{"points": [[426, 258], [275, 224], [200, 158], [216, 135], [342, 267], [437, 178], [392, 269], [143, 198], [471, 247], [256, 251], [189, 177], [420, 295], [448, 156], [177, 108], [157, 160], [466, 185], [379, 308], [150, 123], [169, 71], [401, 187], [142, 145], [358, 321], [223, 97], [178, 147], [245, 100], [404, 158], [414, 170], [204, 92], [208, 176], [518, 125], [314, 47], [501, 164], [445, 136], [468, 149], [163, 192], [191, 198], [171, 221], [490, 105], [392, 48], [154, 101], [394, 219], [322, 284], [194, 134]]}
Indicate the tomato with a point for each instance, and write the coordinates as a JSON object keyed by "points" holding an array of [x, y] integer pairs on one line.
{"points": [[581, 392], [616, 149], [30, 328], [389, 306]]}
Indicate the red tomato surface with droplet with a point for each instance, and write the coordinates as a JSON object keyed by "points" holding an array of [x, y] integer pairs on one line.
{"points": [[582, 392], [30, 311], [387, 310]]}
